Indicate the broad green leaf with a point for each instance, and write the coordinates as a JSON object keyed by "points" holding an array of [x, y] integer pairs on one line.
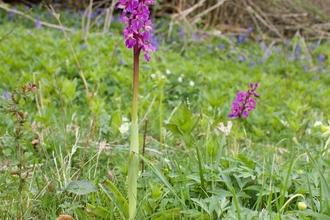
{"points": [[116, 121], [80, 187], [174, 129], [98, 211]]}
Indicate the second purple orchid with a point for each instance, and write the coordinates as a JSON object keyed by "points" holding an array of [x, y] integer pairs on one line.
{"points": [[244, 102], [138, 25]]}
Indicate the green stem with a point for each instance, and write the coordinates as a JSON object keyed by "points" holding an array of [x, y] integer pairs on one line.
{"points": [[236, 132], [133, 161], [233, 191], [160, 117]]}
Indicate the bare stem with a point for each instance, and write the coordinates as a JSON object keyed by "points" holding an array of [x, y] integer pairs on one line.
{"points": [[57, 16], [133, 161]]}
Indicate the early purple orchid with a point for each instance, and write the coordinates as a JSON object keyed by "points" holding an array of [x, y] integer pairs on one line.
{"points": [[138, 26], [244, 102]]}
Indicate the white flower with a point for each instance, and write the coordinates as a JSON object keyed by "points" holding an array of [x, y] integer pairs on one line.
{"points": [[124, 127], [168, 71], [191, 83], [317, 123], [225, 129], [153, 76], [180, 79]]}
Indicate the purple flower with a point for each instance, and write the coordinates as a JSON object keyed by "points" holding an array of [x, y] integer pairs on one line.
{"points": [[241, 58], [297, 51], [38, 25], [244, 102], [321, 58], [305, 67], [138, 26], [221, 46], [6, 95]]}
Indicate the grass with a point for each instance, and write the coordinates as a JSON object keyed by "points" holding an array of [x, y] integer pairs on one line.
{"points": [[191, 172]]}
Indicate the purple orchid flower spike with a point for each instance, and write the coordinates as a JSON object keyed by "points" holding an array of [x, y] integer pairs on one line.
{"points": [[138, 25], [244, 102]]}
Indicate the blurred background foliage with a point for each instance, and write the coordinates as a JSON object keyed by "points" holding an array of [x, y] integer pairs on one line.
{"points": [[278, 18]]}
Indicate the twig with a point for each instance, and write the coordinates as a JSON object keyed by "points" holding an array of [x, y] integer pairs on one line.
{"points": [[85, 148], [144, 144], [271, 27], [62, 109], [73, 53], [34, 19], [149, 109], [253, 19], [197, 17], [90, 7], [108, 16], [36, 95], [13, 28]]}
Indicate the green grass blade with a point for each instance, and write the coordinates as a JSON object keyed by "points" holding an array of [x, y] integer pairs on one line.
{"points": [[113, 193], [323, 180]]}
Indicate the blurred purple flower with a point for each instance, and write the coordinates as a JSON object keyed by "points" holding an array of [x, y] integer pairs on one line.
{"points": [[278, 50], [169, 39], [287, 42], [180, 33], [244, 102], [297, 51], [6, 95], [38, 25], [138, 25], [290, 56], [221, 46], [154, 42], [252, 64], [195, 36], [263, 45], [242, 37], [209, 47], [11, 15], [241, 58], [321, 58], [305, 67], [100, 22], [313, 46]]}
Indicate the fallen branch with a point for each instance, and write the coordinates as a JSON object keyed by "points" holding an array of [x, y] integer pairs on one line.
{"points": [[23, 14]]}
